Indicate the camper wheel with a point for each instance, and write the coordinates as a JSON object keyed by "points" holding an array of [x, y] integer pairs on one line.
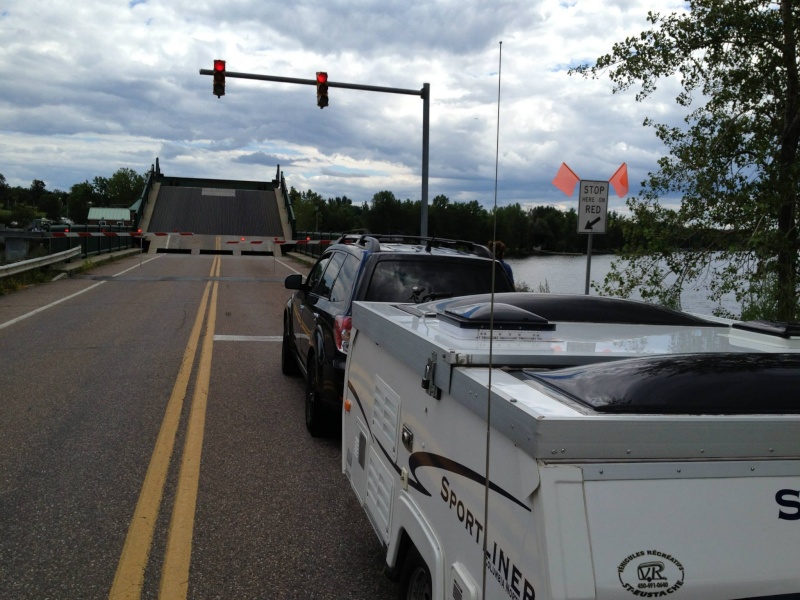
{"points": [[415, 579]]}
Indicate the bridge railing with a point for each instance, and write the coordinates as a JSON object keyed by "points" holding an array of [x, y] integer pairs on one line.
{"points": [[286, 200], [316, 242], [26, 246], [139, 206], [36, 263]]}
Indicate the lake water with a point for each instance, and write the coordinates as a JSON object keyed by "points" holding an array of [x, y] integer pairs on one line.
{"points": [[567, 275]]}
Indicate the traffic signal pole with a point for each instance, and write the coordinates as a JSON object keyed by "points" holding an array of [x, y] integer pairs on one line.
{"points": [[426, 126], [424, 93]]}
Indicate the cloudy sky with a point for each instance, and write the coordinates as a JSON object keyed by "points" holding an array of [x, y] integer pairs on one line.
{"points": [[89, 87]]}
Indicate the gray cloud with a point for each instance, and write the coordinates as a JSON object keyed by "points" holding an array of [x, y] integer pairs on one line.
{"points": [[105, 84]]}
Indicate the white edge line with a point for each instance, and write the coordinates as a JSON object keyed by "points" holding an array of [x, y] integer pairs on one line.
{"points": [[287, 266], [52, 304], [248, 338]]}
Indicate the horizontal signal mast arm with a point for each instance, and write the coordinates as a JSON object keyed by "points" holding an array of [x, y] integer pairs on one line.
{"points": [[352, 86]]}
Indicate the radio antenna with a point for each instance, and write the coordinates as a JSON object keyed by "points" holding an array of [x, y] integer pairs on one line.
{"points": [[491, 334]]}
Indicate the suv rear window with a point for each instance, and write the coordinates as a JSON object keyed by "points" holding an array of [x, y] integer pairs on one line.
{"points": [[316, 273], [344, 281], [325, 285], [394, 280]]}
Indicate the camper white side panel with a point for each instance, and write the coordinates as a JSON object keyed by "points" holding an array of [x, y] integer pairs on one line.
{"points": [[437, 467], [703, 538]]}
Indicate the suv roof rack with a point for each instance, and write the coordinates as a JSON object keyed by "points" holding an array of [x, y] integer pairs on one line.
{"points": [[368, 240]]}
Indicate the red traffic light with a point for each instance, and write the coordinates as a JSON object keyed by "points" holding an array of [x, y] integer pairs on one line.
{"points": [[322, 89], [219, 78]]}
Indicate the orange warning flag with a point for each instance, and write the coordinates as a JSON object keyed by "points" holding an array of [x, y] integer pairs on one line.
{"points": [[620, 180], [566, 180]]}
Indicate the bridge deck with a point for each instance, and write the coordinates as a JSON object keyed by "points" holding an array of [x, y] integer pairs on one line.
{"points": [[213, 211]]}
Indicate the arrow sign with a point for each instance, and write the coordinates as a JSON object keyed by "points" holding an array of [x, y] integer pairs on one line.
{"points": [[593, 206], [591, 224]]}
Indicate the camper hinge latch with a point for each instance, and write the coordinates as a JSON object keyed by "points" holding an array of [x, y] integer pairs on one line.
{"points": [[428, 378], [408, 438]]}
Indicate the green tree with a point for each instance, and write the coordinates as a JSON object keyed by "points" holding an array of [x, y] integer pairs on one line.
{"points": [[308, 209], [54, 204], [734, 165], [4, 195], [569, 239], [439, 216], [613, 237], [37, 191], [470, 222], [547, 224], [122, 189], [22, 214], [386, 214], [342, 215], [458, 220], [81, 197], [512, 227]]}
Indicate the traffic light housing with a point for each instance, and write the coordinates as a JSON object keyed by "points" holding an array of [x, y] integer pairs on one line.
{"points": [[219, 78], [322, 89]]}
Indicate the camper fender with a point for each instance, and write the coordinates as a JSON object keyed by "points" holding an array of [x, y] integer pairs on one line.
{"points": [[409, 526]]}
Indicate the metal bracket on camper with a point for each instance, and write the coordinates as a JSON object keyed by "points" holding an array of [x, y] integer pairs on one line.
{"points": [[408, 438], [428, 377]]}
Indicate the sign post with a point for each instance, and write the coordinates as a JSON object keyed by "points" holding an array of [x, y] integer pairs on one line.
{"points": [[592, 216]]}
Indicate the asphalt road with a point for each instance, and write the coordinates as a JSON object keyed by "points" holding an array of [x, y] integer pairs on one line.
{"points": [[150, 446]]}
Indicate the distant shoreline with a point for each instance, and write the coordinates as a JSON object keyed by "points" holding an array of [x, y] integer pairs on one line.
{"points": [[549, 253]]}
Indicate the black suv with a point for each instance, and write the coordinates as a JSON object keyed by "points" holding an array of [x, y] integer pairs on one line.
{"points": [[379, 268]]}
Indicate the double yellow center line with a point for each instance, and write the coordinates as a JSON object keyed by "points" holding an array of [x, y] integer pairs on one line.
{"points": [[129, 577]]}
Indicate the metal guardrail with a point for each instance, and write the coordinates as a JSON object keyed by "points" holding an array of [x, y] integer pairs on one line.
{"points": [[35, 263], [315, 242]]}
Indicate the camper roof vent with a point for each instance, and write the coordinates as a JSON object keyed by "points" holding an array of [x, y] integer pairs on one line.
{"points": [[501, 321]]}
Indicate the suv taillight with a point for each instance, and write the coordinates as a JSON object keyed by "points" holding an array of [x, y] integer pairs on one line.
{"points": [[341, 332]]}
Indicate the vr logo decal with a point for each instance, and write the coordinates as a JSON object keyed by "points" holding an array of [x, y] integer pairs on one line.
{"points": [[651, 574]]}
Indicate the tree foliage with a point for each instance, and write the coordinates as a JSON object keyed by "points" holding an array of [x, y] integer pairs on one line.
{"points": [[22, 204], [525, 230], [733, 163], [541, 228], [122, 189]]}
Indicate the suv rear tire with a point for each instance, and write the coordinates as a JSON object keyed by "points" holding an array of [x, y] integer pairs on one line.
{"points": [[315, 413], [289, 364]]}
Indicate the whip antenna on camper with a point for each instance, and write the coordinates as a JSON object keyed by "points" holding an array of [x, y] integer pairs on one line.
{"points": [[491, 334]]}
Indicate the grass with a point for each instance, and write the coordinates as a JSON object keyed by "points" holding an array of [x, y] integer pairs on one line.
{"points": [[523, 286], [14, 283]]}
